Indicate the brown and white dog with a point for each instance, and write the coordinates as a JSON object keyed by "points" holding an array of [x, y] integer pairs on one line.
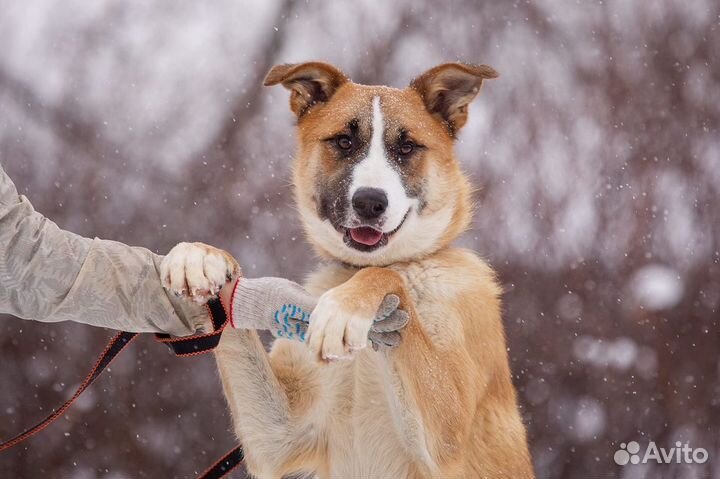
{"points": [[382, 198]]}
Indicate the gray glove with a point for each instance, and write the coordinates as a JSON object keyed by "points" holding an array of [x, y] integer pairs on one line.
{"points": [[283, 308], [389, 320]]}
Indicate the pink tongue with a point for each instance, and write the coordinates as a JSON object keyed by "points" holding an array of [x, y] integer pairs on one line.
{"points": [[366, 235]]}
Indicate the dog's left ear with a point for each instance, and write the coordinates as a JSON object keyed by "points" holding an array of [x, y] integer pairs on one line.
{"points": [[310, 83], [447, 89]]}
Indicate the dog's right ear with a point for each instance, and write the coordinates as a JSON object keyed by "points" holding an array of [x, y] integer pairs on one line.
{"points": [[310, 83]]}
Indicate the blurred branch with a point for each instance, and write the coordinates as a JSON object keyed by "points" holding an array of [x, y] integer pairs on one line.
{"points": [[247, 102], [374, 66], [69, 126], [71, 129]]}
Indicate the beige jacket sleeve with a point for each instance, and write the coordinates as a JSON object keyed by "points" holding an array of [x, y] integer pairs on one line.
{"points": [[48, 274]]}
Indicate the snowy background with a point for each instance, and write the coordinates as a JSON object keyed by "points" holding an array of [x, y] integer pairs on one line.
{"points": [[597, 154]]}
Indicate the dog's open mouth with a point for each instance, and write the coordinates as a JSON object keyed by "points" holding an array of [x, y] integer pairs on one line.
{"points": [[367, 238], [366, 235]]}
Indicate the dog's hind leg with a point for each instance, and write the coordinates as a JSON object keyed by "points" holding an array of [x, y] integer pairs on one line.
{"points": [[267, 408]]}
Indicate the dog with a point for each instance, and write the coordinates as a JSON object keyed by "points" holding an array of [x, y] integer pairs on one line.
{"points": [[382, 198]]}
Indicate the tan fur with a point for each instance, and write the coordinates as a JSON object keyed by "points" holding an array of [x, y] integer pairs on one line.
{"points": [[441, 404]]}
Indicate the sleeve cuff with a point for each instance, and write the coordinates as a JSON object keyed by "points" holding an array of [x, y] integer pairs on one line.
{"points": [[251, 304]]}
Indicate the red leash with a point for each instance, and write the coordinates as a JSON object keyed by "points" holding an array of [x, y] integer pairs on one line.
{"points": [[184, 347], [114, 347]]}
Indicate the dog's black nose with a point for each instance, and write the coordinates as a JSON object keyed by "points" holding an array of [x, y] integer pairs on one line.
{"points": [[369, 203]]}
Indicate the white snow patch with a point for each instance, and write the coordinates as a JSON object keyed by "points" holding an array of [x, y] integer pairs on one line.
{"points": [[590, 419], [620, 353], [657, 287]]}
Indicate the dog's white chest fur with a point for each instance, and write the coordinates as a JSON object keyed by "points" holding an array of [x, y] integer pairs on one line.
{"points": [[360, 442]]}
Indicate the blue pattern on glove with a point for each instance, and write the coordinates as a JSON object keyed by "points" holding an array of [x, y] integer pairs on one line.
{"points": [[291, 329]]}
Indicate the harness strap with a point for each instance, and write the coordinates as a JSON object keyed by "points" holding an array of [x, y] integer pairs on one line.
{"points": [[184, 347]]}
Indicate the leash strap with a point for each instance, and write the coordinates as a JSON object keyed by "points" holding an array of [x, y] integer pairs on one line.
{"points": [[184, 347], [225, 464], [199, 343], [114, 347]]}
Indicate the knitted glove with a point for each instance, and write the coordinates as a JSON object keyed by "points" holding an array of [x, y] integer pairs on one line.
{"points": [[389, 320], [284, 308]]}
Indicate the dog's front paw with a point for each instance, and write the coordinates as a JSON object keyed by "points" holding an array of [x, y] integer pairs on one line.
{"points": [[197, 271], [336, 331]]}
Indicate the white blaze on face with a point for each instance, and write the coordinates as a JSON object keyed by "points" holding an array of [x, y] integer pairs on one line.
{"points": [[375, 171]]}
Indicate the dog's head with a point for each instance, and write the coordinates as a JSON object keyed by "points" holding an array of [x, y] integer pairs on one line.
{"points": [[375, 176]]}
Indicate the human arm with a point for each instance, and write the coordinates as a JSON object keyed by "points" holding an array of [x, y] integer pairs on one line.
{"points": [[49, 275]]}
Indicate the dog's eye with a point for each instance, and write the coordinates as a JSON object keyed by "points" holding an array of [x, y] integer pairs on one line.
{"points": [[343, 142], [406, 148]]}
